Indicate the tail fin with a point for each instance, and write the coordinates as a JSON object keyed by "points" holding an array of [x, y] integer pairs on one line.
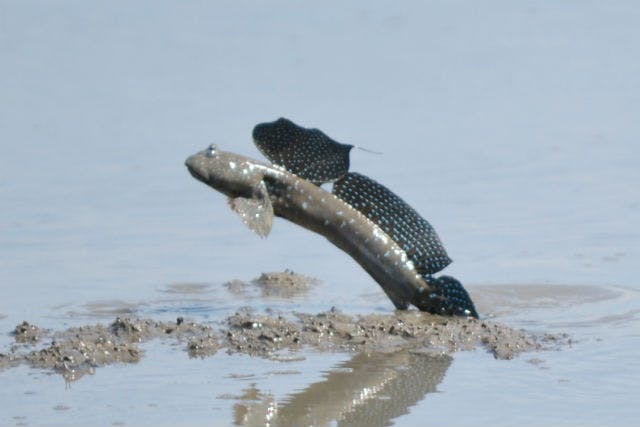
{"points": [[446, 296]]}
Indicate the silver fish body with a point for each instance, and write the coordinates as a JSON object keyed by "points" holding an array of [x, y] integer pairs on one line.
{"points": [[258, 191], [315, 209]]}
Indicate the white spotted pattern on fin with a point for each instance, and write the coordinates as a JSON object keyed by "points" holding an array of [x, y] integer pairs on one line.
{"points": [[308, 153], [399, 220]]}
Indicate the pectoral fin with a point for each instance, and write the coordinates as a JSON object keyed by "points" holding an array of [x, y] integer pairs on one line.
{"points": [[256, 212]]}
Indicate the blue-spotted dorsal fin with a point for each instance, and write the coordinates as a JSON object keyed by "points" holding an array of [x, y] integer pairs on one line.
{"points": [[308, 153], [399, 220]]}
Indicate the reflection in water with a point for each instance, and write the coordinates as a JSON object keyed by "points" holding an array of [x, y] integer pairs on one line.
{"points": [[368, 390]]}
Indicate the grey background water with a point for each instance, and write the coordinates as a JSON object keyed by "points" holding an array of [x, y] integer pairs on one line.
{"points": [[512, 126]]}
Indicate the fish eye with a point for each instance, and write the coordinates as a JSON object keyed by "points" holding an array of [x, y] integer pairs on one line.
{"points": [[211, 150]]}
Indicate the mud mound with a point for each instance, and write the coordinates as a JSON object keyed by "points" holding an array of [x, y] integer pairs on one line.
{"points": [[80, 350], [282, 284], [263, 335]]}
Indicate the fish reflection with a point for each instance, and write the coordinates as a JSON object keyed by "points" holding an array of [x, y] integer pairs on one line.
{"points": [[369, 390]]}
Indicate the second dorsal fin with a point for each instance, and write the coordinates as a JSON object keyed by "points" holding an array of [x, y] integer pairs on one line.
{"points": [[399, 220], [308, 153]]}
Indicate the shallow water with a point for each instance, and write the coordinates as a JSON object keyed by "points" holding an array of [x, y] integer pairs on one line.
{"points": [[573, 384], [513, 129]]}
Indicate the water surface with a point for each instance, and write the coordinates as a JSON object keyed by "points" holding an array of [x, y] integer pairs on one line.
{"points": [[512, 127]]}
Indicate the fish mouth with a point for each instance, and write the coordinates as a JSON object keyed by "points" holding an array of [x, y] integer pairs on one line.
{"points": [[192, 165]]}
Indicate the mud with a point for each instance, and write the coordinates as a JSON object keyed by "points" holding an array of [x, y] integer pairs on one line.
{"points": [[265, 335], [283, 284], [80, 350], [26, 333]]}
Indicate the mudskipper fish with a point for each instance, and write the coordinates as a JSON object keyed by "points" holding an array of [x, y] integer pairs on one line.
{"points": [[388, 238]]}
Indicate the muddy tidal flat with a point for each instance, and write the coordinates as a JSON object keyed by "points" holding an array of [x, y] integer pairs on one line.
{"points": [[82, 349], [381, 364], [395, 358]]}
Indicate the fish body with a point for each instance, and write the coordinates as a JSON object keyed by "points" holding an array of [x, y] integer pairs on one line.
{"points": [[288, 196], [258, 191]]}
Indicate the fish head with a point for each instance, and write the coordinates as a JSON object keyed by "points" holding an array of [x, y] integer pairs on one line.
{"points": [[229, 173]]}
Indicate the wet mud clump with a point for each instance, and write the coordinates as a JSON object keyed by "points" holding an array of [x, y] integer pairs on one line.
{"points": [[79, 350], [285, 284], [282, 284], [82, 350], [265, 335], [26, 333]]}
